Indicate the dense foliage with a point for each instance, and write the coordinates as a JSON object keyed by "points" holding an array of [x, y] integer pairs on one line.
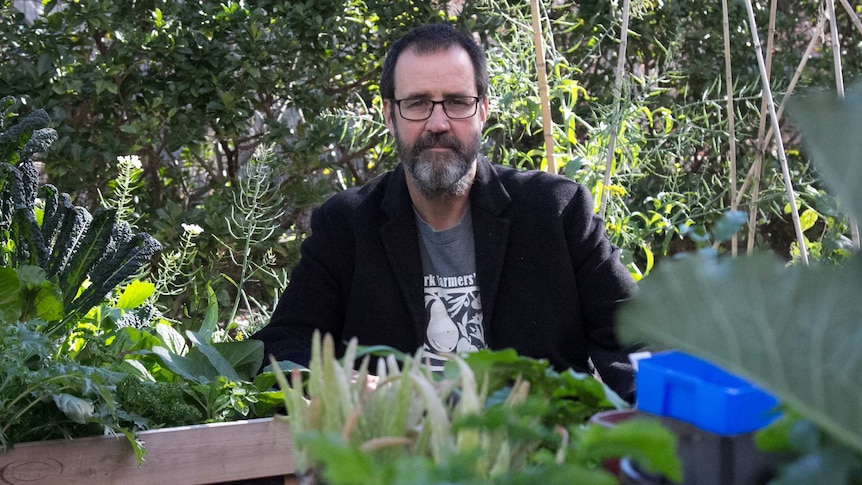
{"points": [[194, 88]]}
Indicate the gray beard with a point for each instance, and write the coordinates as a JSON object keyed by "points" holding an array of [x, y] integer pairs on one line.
{"points": [[440, 174]]}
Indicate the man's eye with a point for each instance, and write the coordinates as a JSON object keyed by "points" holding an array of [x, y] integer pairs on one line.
{"points": [[416, 103], [458, 102]]}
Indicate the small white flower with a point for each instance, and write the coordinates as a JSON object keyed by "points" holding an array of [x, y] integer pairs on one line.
{"points": [[192, 229], [133, 160]]}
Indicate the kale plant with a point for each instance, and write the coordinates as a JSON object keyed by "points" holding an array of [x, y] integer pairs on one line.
{"points": [[83, 349], [84, 255]]}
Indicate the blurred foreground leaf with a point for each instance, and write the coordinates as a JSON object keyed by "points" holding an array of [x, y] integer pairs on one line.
{"points": [[794, 330]]}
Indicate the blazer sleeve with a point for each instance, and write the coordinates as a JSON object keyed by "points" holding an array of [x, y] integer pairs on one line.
{"points": [[603, 282], [315, 295]]}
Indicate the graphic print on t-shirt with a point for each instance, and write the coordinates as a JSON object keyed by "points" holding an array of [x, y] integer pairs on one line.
{"points": [[453, 311]]}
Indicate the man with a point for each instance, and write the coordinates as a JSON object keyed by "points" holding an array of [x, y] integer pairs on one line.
{"points": [[449, 253]]}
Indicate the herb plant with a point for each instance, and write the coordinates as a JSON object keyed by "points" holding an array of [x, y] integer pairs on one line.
{"points": [[520, 422]]}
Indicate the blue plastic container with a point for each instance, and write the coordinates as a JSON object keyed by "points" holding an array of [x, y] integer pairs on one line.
{"points": [[680, 386]]}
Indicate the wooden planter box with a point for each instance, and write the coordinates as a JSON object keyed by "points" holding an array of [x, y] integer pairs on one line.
{"points": [[199, 454]]}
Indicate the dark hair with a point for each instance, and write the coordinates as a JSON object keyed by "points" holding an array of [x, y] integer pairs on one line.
{"points": [[429, 39]]}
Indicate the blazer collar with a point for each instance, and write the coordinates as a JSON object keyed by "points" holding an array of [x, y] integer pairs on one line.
{"points": [[487, 192]]}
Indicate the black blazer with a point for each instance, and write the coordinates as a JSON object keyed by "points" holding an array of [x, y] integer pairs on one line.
{"points": [[549, 278]]}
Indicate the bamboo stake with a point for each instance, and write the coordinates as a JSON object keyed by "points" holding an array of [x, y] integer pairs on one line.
{"points": [[731, 118], [812, 44], [839, 86], [547, 123], [618, 88], [767, 93], [821, 22], [761, 152], [836, 48], [853, 17]]}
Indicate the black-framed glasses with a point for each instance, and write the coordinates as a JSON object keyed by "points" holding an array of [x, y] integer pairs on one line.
{"points": [[420, 109]]}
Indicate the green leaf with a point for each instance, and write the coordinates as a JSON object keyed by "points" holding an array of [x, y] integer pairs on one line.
{"points": [[130, 339], [244, 356], [110, 272], [31, 276], [172, 339], [77, 409], [195, 369], [265, 380], [807, 219], [135, 294], [48, 301], [268, 403], [354, 466], [222, 366], [649, 443], [42, 298], [10, 290], [210, 323], [795, 331], [502, 365], [90, 250]]}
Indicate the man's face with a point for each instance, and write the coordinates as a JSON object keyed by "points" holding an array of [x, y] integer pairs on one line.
{"points": [[439, 153]]}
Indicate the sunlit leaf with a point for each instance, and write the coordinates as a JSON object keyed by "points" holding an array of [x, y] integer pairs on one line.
{"points": [[218, 362], [135, 294], [10, 288], [210, 323], [172, 339]]}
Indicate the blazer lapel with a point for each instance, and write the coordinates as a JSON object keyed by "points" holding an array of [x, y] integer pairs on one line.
{"points": [[491, 234], [401, 243]]}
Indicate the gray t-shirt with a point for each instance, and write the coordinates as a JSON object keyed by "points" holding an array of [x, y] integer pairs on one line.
{"points": [[453, 309]]}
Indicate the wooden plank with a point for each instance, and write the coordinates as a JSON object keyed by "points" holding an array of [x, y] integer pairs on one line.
{"points": [[200, 454]]}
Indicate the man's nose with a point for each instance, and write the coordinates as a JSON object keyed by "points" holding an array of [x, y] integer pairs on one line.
{"points": [[439, 121]]}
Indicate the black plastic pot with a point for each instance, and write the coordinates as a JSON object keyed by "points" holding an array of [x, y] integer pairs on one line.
{"points": [[707, 458]]}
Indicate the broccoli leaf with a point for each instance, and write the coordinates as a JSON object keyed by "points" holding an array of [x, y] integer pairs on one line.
{"points": [[244, 356]]}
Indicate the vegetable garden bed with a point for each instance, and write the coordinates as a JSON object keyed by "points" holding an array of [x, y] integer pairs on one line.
{"points": [[199, 454]]}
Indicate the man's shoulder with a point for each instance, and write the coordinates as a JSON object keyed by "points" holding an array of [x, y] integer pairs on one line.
{"points": [[538, 187], [355, 198]]}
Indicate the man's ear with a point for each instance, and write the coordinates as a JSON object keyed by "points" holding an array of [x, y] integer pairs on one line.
{"points": [[483, 109], [387, 118]]}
